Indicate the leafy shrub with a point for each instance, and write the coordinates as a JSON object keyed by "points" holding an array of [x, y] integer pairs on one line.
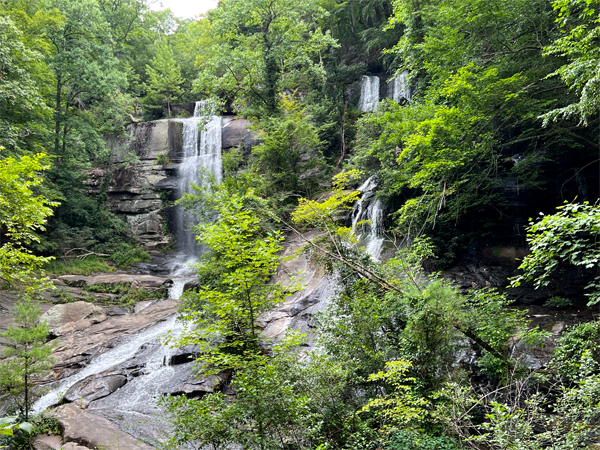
{"points": [[557, 302], [162, 159], [76, 266], [128, 255], [578, 350], [105, 288], [415, 440]]}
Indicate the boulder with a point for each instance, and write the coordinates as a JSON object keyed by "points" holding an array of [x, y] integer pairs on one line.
{"points": [[236, 132], [82, 313], [94, 387], [202, 385], [73, 446], [89, 430], [149, 282], [47, 442]]}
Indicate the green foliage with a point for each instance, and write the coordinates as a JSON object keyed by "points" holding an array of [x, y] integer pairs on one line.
{"points": [[234, 274], [22, 107], [557, 302], [577, 351], [401, 407], [162, 159], [414, 440], [267, 412], [27, 356], [290, 158], [568, 236], [22, 214], [580, 23], [128, 255], [261, 48], [77, 266], [164, 77]]}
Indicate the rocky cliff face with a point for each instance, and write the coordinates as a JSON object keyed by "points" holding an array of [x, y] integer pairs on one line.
{"points": [[142, 176]]}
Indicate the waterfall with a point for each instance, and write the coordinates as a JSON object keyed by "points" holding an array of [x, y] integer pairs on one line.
{"points": [[125, 350], [367, 208], [399, 89], [369, 93], [201, 153]]}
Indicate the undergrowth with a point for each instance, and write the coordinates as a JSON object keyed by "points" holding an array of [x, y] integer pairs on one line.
{"points": [[76, 266], [127, 296]]}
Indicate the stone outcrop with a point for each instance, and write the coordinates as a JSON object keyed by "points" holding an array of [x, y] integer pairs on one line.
{"points": [[92, 431], [148, 282], [142, 179], [94, 387], [76, 349], [298, 310], [69, 317], [47, 442]]}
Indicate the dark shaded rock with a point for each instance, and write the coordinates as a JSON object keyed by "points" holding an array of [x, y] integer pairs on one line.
{"points": [[117, 311], [184, 355], [94, 387], [192, 284]]}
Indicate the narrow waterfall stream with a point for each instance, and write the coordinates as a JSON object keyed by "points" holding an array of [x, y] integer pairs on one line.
{"points": [[399, 89], [369, 93], [368, 208], [201, 156]]}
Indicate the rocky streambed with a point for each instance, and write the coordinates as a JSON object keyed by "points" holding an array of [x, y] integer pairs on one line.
{"points": [[112, 364]]}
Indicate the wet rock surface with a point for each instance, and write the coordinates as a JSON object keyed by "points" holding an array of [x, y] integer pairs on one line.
{"points": [[89, 430], [94, 387], [297, 312], [144, 166], [75, 350]]}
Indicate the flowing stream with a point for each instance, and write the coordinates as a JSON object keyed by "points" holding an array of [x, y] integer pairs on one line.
{"points": [[399, 89], [369, 93], [370, 209]]}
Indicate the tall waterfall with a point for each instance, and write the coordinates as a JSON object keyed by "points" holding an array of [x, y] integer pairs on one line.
{"points": [[201, 153], [368, 208], [369, 93], [399, 89]]}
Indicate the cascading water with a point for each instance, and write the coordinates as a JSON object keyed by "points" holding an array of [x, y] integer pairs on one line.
{"points": [[369, 209], [369, 93], [133, 406], [201, 156], [399, 88]]}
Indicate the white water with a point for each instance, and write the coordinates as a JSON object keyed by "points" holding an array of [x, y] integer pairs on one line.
{"points": [[369, 93], [123, 351], [399, 88], [367, 208], [201, 156]]}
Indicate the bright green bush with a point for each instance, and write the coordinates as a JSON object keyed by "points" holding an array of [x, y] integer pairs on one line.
{"points": [[129, 255], [76, 266]]}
